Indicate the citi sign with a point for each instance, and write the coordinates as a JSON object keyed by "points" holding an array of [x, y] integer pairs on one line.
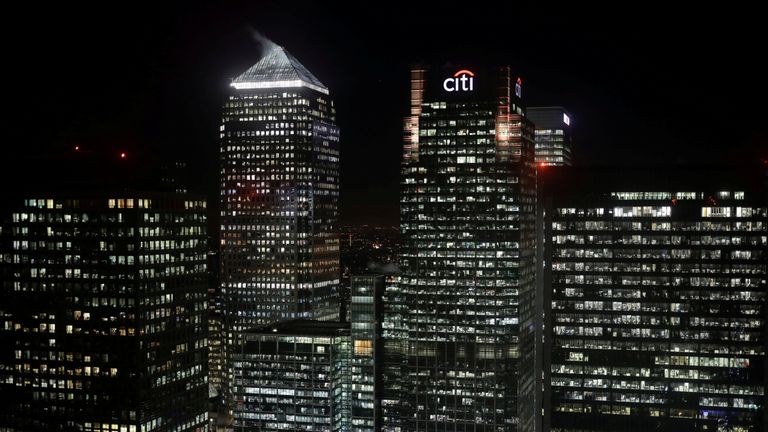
{"points": [[463, 80]]}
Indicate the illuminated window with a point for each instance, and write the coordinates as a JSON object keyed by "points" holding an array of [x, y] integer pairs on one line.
{"points": [[364, 347]]}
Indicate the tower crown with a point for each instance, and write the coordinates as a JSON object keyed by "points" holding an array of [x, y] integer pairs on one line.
{"points": [[278, 69]]}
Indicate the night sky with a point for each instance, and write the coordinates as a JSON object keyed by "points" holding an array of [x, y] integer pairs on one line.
{"points": [[644, 85]]}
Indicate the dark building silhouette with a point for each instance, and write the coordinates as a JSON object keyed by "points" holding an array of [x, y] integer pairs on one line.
{"points": [[103, 312]]}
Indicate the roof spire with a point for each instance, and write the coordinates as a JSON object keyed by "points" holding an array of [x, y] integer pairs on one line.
{"points": [[277, 68]]}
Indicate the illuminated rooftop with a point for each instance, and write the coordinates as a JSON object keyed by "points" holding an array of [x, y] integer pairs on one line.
{"points": [[278, 69]]}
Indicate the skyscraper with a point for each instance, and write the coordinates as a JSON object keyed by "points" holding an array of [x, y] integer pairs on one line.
{"points": [[554, 143], [103, 313], [279, 162], [468, 247], [657, 285]]}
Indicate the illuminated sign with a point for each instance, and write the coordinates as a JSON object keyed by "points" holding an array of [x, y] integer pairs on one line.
{"points": [[566, 119], [462, 80], [519, 88]]}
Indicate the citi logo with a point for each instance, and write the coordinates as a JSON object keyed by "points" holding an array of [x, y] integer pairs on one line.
{"points": [[463, 80]]}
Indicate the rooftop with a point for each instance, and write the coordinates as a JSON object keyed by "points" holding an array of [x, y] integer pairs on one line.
{"points": [[278, 69]]}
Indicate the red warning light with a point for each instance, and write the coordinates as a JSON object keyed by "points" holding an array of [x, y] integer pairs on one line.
{"points": [[123, 155], [77, 148]]}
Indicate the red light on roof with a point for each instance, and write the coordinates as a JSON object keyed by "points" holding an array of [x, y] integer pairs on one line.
{"points": [[77, 148], [123, 155]]}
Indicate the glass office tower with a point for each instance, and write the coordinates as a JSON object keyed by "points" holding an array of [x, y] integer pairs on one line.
{"points": [[366, 310], [279, 162], [313, 375], [658, 299], [468, 242], [293, 376], [103, 313], [553, 135]]}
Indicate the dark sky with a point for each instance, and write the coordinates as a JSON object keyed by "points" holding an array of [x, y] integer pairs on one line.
{"points": [[643, 84]]}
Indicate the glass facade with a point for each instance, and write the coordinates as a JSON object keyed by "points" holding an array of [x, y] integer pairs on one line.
{"points": [[293, 376], [103, 314], [279, 196], [313, 375], [553, 135], [365, 313], [392, 362], [468, 241], [658, 298]]}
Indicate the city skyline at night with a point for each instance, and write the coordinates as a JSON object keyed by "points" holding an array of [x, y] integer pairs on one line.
{"points": [[662, 88], [399, 217]]}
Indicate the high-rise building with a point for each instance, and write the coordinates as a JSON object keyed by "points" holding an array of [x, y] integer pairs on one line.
{"points": [[279, 162], [657, 308], [103, 313], [366, 311], [293, 375], [553, 135], [468, 250], [313, 375]]}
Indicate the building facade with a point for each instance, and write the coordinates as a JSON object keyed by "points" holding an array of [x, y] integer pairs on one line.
{"points": [[554, 143], [293, 376], [468, 196], [103, 314], [657, 300], [279, 162], [394, 336], [366, 311]]}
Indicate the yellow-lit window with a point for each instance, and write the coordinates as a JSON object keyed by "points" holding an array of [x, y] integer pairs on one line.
{"points": [[363, 347]]}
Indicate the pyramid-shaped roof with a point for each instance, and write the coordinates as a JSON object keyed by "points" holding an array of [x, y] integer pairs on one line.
{"points": [[277, 69]]}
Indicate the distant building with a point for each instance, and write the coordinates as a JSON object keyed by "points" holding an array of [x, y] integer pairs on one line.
{"points": [[174, 176], [366, 249], [279, 159], [103, 313], [293, 376], [656, 313], [467, 211], [554, 143]]}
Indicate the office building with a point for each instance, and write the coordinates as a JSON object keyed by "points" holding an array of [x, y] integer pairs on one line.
{"points": [[279, 162], [392, 363], [468, 253], [657, 308], [216, 336], [366, 311], [554, 143], [293, 375], [103, 313]]}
